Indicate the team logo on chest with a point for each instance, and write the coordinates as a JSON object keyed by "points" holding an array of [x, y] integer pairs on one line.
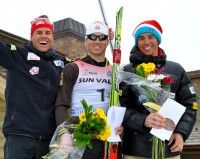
{"points": [[34, 70]]}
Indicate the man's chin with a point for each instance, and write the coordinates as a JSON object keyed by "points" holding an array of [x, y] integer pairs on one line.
{"points": [[147, 52], [43, 49]]}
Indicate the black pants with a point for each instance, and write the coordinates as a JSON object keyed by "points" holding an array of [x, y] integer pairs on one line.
{"points": [[21, 147]]}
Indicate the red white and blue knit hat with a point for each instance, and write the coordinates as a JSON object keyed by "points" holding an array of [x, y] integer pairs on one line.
{"points": [[149, 26], [41, 22]]}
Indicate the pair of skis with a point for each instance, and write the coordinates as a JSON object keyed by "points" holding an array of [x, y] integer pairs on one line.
{"points": [[113, 147], [115, 92]]}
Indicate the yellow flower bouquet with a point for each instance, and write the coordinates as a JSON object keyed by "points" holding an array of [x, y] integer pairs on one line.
{"points": [[153, 85], [92, 125]]}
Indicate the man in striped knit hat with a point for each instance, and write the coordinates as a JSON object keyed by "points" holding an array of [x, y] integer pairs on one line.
{"points": [[138, 121]]}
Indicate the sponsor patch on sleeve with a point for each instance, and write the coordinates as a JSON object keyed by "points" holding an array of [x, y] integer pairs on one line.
{"points": [[59, 63]]}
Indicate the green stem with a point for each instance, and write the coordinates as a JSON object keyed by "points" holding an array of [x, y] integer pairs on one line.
{"points": [[158, 148]]}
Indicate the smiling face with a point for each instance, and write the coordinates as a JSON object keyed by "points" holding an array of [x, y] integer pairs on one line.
{"points": [[43, 39], [96, 48], [148, 44]]}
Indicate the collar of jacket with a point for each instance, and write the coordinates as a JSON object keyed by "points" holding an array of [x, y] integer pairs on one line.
{"points": [[137, 57], [49, 55], [90, 60]]}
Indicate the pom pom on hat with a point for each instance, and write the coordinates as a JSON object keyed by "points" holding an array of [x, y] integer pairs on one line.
{"points": [[96, 26], [149, 26], [41, 22]]}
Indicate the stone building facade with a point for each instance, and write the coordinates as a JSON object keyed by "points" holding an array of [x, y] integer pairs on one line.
{"points": [[69, 38], [192, 145]]}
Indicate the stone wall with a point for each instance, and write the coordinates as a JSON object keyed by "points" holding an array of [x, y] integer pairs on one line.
{"points": [[196, 84], [70, 47], [2, 139], [195, 78]]}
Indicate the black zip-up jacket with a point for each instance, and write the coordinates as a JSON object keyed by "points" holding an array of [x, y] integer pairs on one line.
{"points": [[33, 80], [137, 139]]}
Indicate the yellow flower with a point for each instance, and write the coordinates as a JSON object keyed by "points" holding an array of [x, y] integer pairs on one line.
{"points": [[92, 125], [149, 67], [152, 105], [104, 134], [82, 117], [145, 69], [101, 114]]}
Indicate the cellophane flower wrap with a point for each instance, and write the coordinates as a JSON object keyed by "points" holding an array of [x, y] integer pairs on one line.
{"points": [[154, 85], [69, 151], [92, 125]]}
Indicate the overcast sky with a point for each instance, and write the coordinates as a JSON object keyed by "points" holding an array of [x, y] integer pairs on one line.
{"points": [[180, 20]]}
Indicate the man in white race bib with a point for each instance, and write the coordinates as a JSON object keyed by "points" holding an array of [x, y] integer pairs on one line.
{"points": [[90, 79]]}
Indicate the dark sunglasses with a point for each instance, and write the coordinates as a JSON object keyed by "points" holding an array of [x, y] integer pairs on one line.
{"points": [[94, 37]]}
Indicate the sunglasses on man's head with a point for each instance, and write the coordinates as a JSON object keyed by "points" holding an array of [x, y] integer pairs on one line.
{"points": [[94, 37], [39, 20]]}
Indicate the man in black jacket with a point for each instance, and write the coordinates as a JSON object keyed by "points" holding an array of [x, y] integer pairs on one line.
{"points": [[138, 120], [33, 76]]}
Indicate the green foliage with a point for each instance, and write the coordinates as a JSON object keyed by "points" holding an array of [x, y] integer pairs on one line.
{"points": [[90, 126]]}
